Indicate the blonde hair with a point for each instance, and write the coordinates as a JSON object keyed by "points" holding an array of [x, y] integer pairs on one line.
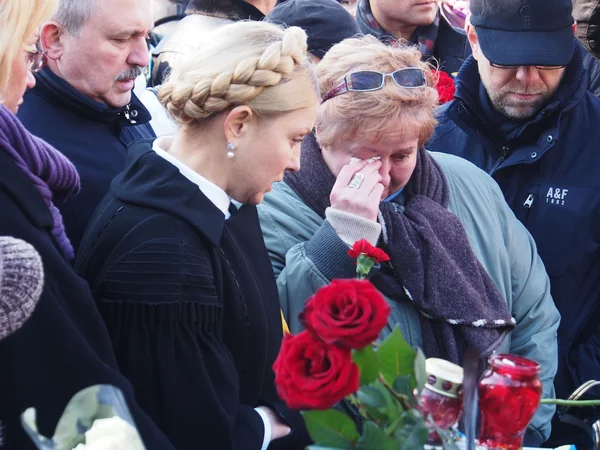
{"points": [[374, 113], [257, 64], [20, 19]]}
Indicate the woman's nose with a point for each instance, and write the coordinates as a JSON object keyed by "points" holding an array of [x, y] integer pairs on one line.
{"points": [[384, 171], [294, 164]]}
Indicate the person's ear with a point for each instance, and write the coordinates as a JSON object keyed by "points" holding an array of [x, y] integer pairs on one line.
{"points": [[238, 123], [575, 28], [473, 39], [51, 35]]}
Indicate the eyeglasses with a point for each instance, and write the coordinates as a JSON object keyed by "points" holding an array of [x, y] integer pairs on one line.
{"points": [[501, 66], [367, 80], [37, 59]]}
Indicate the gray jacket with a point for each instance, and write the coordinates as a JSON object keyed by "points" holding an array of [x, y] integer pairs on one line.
{"points": [[306, 253]]}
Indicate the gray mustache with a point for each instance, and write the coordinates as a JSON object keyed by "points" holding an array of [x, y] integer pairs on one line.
{"points": [[129, 74]]}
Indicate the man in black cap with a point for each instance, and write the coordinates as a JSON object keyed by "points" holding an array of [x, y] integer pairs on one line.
{"points": [[326, 22], [523, 113]]}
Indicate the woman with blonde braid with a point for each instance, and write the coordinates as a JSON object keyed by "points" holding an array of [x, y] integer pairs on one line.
{"points": [[181, 275]]}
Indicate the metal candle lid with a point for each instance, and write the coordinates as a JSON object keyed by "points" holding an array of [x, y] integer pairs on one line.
{"points": [[444, 377]]}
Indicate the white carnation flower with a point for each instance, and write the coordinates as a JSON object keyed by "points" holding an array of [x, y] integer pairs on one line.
{"points": [[111, 434]]}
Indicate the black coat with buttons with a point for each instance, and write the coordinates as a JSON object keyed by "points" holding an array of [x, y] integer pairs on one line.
{"points": [[91, 134], [191, 305], [549, 173]]}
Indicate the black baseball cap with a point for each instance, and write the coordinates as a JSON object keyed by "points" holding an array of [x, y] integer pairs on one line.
{"points": [[326, 22], [524, 32]]}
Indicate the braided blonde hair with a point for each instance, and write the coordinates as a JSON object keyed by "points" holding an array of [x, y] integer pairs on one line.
{"points": [[257, 64]]}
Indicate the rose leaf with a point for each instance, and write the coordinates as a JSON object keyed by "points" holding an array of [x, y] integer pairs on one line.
{"points": [[414, 433], [331, 428], [320, 447], [371, 397], [420, 372], [393, 408], [395, 357], [377, 402], [374, 438], [366, 360], [403, 385]]}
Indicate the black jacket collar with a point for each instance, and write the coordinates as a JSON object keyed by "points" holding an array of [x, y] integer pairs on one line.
{"points": [[58, 91], [150, 181], [571, 91]]}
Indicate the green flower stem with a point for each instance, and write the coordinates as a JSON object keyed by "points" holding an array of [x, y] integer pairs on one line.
{"points": [[361, 409], [389, 430], [404, 401], [579, 403]]}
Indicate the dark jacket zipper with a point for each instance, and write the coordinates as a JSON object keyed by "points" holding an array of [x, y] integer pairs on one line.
{"points": [[505, 148], [527, 205]]}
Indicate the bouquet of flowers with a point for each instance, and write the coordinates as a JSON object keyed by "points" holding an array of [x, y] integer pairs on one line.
{"points": [[335, 359], [96, 418]]}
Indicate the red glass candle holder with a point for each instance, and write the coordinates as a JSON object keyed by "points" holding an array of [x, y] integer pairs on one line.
{"points": [[441, 398], [509, 395]]}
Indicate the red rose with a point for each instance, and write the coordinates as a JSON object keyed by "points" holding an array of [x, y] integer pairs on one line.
{"points": [[310, 374], [444, 84], [363, 246], [349, 313]]}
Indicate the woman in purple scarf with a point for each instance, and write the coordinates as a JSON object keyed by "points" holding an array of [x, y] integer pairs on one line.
{"points": [[63, 347]]}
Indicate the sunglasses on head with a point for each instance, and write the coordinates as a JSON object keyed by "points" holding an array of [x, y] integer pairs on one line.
{"points": [[368, 80]]}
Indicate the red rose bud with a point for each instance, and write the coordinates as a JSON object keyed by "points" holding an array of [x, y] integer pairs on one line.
{"points": [[310, 374], [349, 313]]}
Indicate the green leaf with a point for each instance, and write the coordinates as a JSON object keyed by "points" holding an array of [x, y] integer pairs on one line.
{"points": [[378, 403], [374, 438], [393, 409], [331, 428], [414, 432], [403, 386], [371, 397], [320, 447], [395, 357], [366, 360], [420, 370]]}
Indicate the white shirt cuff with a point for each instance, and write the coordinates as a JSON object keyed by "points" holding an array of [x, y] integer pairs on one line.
{"points": [[267, 423]]}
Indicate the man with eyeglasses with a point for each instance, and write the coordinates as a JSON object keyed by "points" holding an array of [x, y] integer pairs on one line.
{"points": [[522, 113]]}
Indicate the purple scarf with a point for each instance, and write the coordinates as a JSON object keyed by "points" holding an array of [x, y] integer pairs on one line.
{"points": [[52, 174]]}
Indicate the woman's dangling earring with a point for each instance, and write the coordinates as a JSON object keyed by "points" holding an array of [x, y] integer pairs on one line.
{"points": [[231, 148]]}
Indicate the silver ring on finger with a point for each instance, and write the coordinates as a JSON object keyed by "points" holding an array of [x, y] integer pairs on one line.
{"points": [[356, 181]]}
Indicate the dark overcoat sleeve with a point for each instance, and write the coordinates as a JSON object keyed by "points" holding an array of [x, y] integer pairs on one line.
{"points": [[64, 346]]}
